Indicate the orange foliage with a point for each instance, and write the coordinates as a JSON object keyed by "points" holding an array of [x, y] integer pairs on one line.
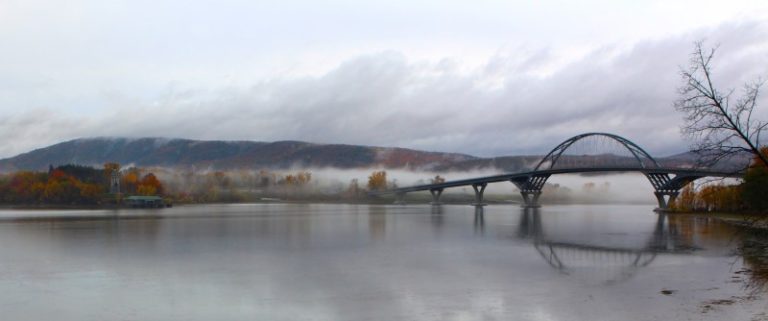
{"points": [[377, 180], [299, 179], [150, 185], [130, 182], [70, 184], [709, 198]]}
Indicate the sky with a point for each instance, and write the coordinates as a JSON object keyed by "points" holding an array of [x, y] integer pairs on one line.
{"points": [[486, 78]]}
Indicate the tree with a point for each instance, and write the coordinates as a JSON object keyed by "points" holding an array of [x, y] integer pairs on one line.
{"points": [[110, 168], [722, 125], [130, 181], [755, 191], [150, 185], [377, 181], [304, 178], [354, 188], [687, 199]]}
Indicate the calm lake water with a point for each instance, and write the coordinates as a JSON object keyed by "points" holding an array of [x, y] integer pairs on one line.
{"points": [[370, 262]]}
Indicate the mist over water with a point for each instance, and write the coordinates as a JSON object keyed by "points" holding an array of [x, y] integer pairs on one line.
{"points": [[616, 188], [613, 188]]}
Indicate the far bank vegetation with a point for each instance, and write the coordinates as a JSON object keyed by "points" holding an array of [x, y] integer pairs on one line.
{"points": [[86, 185]]}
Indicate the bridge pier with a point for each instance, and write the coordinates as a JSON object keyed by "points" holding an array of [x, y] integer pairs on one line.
{"points": [[531, 199], [665, 199], [668, 188], [530, 188], [436, 192], [479, 190]]}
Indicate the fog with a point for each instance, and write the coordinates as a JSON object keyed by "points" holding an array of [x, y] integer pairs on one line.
{"points": [[632, 188], [610, 188]]}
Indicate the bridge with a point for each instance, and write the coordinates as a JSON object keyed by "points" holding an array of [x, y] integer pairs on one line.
{"points": [[585, 153]]}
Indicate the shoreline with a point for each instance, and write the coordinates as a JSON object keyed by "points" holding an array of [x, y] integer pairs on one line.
{"points": [[742, 220]]}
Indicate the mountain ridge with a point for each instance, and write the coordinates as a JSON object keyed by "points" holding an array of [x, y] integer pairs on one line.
{"points": [[244, 154], [221, 154]]}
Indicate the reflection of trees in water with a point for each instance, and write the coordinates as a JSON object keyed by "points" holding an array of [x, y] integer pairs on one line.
{"points": [[754, 250], [109, 228], [752, 243], [377, 222], [697, 232], [605, 262]]}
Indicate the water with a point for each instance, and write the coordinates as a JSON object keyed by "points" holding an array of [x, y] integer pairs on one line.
{"points": [[370, 262]]}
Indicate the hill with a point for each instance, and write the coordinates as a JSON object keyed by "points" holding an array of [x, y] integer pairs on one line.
{"points": [[148, 152]]}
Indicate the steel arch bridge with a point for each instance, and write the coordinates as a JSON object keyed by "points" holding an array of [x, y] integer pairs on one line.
{"points": [[666, 181]]}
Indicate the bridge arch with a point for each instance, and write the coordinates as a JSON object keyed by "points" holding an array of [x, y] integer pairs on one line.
{"points": [[642, 157]]}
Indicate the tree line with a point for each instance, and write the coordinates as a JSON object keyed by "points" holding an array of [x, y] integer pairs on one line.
{"points": [[74, 185], [750, 195], [87, 185]]}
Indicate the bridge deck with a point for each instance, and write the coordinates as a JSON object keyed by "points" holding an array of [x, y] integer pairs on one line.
{"points": [[508, 177]]}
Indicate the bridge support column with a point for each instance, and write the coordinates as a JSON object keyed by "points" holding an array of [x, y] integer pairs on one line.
{"points": [[531, 199], [400, 198], [667, 188], [436, 195], [479, 190], [530, 188], [665, 199]]}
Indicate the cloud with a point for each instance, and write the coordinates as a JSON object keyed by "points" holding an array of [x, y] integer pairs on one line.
{"points": [[517, 102]]}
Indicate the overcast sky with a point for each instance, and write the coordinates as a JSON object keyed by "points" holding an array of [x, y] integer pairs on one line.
{"points": [[487, 78]]}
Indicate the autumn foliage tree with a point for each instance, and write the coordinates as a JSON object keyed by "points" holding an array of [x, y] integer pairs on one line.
{"points": [[298, 179], [25, 187], [150, 185], [720, 197], [130, 181], [377, 181], [60, 188], [687, 199]]}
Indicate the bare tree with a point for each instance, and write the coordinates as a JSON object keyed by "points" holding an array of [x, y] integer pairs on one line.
{"points": [[722, 126]]}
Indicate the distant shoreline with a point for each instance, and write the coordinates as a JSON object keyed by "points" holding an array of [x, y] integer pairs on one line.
{"points": [[748, 220]]}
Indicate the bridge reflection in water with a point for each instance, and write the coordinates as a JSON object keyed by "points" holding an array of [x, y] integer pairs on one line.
{"points": [[596, 257], [603, 248]]}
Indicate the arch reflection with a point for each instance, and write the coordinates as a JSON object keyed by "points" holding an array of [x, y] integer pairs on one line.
{"points": [[604, 260]]}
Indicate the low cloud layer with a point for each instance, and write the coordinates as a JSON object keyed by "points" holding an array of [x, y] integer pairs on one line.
{"points": [[517, 102]]}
